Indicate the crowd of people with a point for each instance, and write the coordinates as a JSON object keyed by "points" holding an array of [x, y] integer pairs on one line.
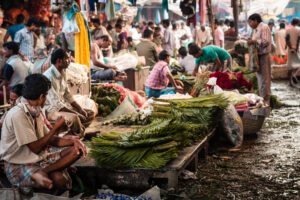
{"points": [[43, 106]]}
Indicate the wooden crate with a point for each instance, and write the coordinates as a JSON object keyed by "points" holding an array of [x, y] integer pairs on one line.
{"points": [[280, 72], [136, 78], [137, 178]]}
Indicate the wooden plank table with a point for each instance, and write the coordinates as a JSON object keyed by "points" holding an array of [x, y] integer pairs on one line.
{"points": [[188, 159]]}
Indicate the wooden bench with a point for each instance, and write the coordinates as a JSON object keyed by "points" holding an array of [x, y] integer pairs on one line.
{"points": [[188, 159]]}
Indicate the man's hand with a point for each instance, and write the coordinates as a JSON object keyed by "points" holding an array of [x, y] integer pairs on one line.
{"points": [[83, 112], [24, 58], [179, 89], [81, 117], [80, 147], [113, 67], [179, 83], [59, 122], [194, 72], [251, 42]]}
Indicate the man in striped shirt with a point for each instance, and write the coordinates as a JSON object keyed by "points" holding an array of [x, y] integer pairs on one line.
{"points": [[262, 40], [25, 37]]}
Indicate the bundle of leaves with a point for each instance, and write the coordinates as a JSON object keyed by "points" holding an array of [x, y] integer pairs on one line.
{"points": [[199, 88], [183, 122], [248, 74], [136, 118], [188, 81], [107, 98]]}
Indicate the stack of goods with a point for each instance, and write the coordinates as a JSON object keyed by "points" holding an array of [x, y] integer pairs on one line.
{"points": [[107, 98], [178, 124], [200, 84], [137, 118]]}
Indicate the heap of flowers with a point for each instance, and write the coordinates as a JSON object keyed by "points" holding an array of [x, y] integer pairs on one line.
{"points": [[232, 81], [278, 60]]}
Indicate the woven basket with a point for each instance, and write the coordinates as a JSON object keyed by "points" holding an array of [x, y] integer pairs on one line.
{"points": [[252, 126]]}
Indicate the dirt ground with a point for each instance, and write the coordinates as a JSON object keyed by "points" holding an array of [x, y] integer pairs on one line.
{"points": [[267, 166]]}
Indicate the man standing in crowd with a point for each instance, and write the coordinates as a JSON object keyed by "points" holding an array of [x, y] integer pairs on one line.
{"points": [[122, 38], [148, 49], [211, 54], [203, 37], [26, 39], [2, 30], [99, 29], [292, 41], [11, 31], [262, 40], [167, 43], [280, 41], [27, 144], [60, 101], [219, 35]]}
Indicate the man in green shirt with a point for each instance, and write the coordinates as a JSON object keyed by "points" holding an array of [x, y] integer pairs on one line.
{"points": [[211, 54]]}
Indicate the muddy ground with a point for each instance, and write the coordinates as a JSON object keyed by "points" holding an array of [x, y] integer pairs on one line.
{"points": [[267, 166]]}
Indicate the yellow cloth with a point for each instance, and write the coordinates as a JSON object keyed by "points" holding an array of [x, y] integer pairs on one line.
{"points": [[82, 48]]}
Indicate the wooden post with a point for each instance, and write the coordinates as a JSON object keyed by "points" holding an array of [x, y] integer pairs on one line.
{"points": [[235, 8], [211, 18]]}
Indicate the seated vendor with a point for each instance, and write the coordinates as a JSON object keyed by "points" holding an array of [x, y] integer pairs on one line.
{"points": [[60, 101], [27, 145], [15, 71], [14, 97], [99, 70], [160, 77], [186, 61], [211, 54]]}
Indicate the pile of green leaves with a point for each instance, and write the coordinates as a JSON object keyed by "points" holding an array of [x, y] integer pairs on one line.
{"points": [[136, 118], [177, 124], [107, 99]]}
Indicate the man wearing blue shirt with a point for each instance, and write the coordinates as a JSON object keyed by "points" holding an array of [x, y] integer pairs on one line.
{"points": [[211, 54], [11, 31]]}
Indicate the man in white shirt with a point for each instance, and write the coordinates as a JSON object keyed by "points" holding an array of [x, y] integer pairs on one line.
{"points": [[187, 61], [60, 101], [203, 37]]}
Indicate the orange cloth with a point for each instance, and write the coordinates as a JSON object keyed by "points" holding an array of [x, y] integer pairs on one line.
{"points": [[82, 47]]}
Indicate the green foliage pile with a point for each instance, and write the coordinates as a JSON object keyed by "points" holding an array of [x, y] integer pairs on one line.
{"points": [[177, 124], [107, 99], [130, 119], [248, 74]]}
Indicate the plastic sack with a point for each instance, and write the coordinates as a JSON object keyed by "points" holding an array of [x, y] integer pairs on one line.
{"points": [[77, 73], [126, 107], [235, 98], [86, 103], [125, 61], [232, 126], [253, 99], [69, 26]]}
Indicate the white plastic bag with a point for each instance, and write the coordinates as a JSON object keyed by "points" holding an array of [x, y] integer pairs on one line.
{"points": [[126, 107], [125, 61], [69, 26], [86, 103]]}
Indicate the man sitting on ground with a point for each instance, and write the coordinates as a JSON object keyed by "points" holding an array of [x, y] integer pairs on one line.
{"points": [[211, 54], [160, 77], [99, 70], [15, 71], [60, 101], [27, 145]]}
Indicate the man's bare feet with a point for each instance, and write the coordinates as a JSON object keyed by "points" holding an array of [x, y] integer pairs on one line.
{"points": [[42, 179]]}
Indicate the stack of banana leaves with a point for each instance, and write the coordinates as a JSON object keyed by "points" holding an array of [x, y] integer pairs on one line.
{"points": [[177, 124], [136, 118], [107, 99]]}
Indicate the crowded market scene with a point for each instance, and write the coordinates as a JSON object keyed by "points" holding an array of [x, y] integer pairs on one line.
{"points": [[150, 99]]}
